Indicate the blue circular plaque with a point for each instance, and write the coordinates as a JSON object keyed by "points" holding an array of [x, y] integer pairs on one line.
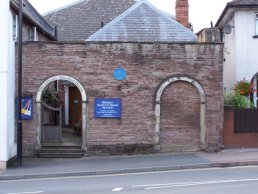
{"points": [[119, 74]]}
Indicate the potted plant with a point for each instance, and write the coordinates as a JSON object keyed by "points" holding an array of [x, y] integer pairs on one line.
{"points": [[244, 88], [240, 98]]}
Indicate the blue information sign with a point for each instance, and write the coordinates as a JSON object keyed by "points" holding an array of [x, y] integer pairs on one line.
{"points": [[119, 74], [107, 108], [26, 108]]}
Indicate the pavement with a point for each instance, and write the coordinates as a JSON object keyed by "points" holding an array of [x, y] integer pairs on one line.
{"points": [[103, 165]]}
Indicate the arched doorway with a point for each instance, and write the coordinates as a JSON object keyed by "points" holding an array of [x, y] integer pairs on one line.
{"points": [[162, 87], [39, 107]]}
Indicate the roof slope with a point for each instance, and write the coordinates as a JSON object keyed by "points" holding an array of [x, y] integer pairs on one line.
{"points": [[143, 23], [79, 20], [233, 5]]}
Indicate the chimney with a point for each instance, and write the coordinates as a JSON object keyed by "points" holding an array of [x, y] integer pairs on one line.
{"points": [[182, 12]]}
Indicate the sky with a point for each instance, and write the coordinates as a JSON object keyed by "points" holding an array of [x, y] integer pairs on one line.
{"points": [[201, 12]]}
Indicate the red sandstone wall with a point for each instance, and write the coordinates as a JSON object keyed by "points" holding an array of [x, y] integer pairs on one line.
{"points": [[180, 117], [236, 140], [147, 66]]}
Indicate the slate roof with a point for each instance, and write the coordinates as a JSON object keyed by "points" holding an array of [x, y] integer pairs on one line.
{"points": [[32, 15], [143, 23], [81, 19], [236, 4]]}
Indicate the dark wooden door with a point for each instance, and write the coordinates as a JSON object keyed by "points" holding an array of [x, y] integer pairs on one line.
{"points": [[75, 105]]}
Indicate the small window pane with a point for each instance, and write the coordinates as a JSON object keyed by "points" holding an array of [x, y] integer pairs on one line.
{"points": [[256, 26], [256, 23], [14, 26]]}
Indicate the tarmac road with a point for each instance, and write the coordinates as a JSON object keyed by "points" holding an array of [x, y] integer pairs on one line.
{"points": [[233, 180]]}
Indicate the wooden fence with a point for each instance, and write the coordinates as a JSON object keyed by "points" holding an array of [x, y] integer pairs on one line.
{"points": [[239, 128], [246, 120]]}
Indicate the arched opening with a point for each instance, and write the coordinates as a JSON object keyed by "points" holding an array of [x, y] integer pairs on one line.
{"points": [[73, 84], [163, 86]]}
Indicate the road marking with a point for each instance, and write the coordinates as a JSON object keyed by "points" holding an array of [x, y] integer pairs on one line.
{"points": [[117, 189], [29, 192], [185, 184]]}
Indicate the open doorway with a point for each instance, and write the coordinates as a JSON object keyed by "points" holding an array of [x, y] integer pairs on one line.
{"points": [[66, 113], [61, 99]]}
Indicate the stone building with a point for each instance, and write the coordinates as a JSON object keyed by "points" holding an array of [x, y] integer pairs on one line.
{"points": [[167, 85]]}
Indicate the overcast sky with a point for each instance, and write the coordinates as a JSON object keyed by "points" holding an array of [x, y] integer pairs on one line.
{"points": [[202, 12]]}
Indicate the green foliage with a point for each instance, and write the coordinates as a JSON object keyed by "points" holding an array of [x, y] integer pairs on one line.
{"points": [[238, 101], [51, 97]]}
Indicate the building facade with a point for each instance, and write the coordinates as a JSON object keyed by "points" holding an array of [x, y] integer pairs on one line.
{"points": [[239, 26], [35, 28], [171, 97]]}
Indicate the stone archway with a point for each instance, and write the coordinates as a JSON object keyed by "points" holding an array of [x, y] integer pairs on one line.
{"points": [[158, 103], [84, 113]]}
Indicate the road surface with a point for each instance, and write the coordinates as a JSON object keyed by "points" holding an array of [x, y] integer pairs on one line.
{"points": [[237, 180]]}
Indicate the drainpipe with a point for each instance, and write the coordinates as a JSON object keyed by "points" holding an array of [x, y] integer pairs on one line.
{"points": [[19, 120]]}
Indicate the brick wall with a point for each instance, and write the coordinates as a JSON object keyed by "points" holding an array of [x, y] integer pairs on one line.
{"points": [[236, 140], [182, 12], [147, 66], [180, 117]]}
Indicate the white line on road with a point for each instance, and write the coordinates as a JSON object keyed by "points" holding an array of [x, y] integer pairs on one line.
{"points": [[117, 189], [29, 192], [184, 184]]}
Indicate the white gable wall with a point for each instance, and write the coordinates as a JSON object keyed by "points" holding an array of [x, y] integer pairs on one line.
{"points": [[246, 45], [240, 54], [229, 70]]}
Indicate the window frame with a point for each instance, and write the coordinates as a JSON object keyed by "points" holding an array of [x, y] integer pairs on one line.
{"points": [[33, 35], [15, 27]]}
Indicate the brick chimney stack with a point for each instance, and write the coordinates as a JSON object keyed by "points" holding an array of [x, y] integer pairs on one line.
{"points": [[182, 12]]}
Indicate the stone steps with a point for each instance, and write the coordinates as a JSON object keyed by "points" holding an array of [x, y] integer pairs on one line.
{"points": [[61, 152]]}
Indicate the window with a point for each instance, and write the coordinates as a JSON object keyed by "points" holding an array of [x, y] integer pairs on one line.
{"points": [[15, 27], [33, 36], [256, 24]]}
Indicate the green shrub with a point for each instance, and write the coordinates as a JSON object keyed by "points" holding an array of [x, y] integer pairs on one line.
{"points": [[238, 101], [52, 97]]}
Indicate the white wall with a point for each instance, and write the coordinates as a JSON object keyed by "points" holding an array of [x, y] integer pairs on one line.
{"points": [[241, 49], [12, 148], [7, 145], [246, 45], [229, 70]]}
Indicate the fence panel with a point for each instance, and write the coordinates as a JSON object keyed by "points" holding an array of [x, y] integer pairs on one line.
{"points": [[246, 120]]}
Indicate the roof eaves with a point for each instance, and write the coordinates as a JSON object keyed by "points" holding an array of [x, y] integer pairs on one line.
{"points": [[233, 6], [38, 20]]}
